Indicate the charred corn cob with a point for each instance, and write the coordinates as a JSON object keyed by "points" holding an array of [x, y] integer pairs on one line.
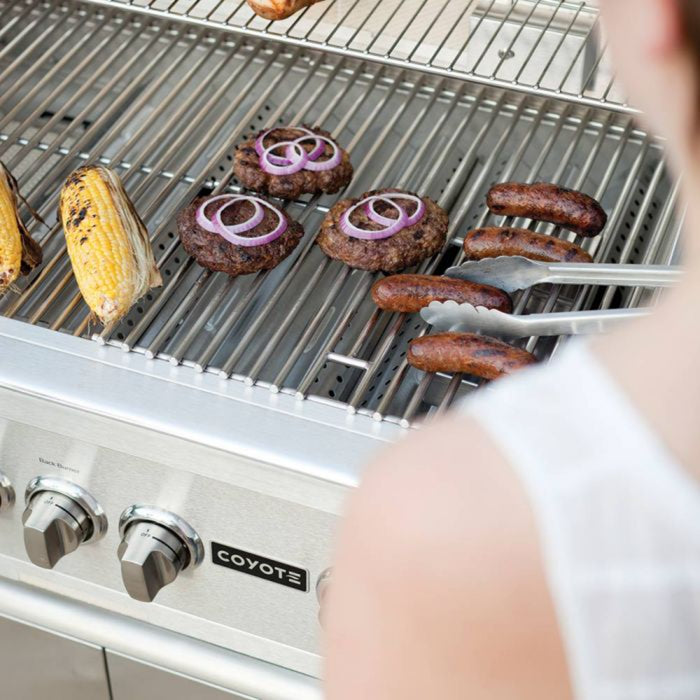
{"points": [[107, 242], [19, 252]]}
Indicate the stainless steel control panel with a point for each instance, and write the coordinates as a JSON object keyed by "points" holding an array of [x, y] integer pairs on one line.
{"points": [[229, 564]]}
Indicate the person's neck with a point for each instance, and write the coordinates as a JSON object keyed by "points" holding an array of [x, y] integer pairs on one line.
{"points": [[656, 360]]}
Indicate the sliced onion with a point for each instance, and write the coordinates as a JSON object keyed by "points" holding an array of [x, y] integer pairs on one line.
{"points": [[378, 218], [333, 162], [390, 196], [230, 233], [318, 150], [349, 229], [248, 225], [292, 150], [278, 165], [278, 160], [391, 226], [201, 217]]}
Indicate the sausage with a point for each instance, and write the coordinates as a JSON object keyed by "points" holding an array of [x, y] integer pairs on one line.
{"points": [[278, 9], [545, 202], [467, 353], [410, 293], [492, 242]]}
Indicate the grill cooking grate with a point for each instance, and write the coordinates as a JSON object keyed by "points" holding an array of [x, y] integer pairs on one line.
{"points": [[549, 47], [165, 103]]}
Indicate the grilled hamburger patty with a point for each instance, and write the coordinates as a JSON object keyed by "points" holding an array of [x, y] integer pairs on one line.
{"points": [[212, 251], [249, 173], [404, 249]]}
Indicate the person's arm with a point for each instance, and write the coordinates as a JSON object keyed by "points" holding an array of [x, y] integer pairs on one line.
{"points": [[438, 589]]}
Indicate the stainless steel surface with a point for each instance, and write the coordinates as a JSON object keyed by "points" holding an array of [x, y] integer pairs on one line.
{"points": [[7, 492], [151, 558], [35, 663], [54, 525], [168, 113], [546, 47], [78, 495], [322, 584], [130, 679], [240, 501], [156, 546], [194, 547], [309, 449], [451, 316], [513, 273], [248, 406], [116, 633]]}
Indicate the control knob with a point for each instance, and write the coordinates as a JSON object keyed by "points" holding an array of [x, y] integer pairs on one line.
{"points": [[156, 546], [59, 517], [7, 493]]}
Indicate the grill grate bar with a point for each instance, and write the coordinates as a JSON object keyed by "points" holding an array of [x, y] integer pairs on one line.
{"points": [[514, 160], [264, 313], [535, 173], [380, 355], [168, 114], [544, 47], [225, 329], [61, 258], [135, 166], [141, 327]]}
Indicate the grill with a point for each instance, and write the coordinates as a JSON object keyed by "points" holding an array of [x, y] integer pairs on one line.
{"points": [[548, 47], [168, 116], [231, 417]]}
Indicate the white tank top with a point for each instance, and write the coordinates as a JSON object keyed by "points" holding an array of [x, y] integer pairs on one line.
{"points": [[619, 522]]}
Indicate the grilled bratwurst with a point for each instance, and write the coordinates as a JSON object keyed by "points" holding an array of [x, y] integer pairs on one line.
{"points": [[467, 353], [569, 209], [410, 293], [492, 242]]}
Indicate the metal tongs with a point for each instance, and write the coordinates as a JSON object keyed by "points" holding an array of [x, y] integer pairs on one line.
{"points": [[451, 316], [511, 273]]}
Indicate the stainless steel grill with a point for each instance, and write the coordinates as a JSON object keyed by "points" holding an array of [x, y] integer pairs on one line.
{"points": [[548, 47], [241, 409], [168, 114]]}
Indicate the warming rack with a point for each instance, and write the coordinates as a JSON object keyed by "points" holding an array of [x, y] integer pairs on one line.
{"points": [[167, 116], [545, 47]]}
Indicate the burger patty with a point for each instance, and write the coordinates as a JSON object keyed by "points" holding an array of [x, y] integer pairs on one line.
{"points": [[249, 173], [214, 252], [404, 249]]}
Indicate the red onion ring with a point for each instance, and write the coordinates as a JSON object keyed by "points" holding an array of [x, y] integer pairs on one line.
{"points": [[209, 225], [260, 142], [391, 226], [291, 166], [318, 150], [349, 229], [333, 162], [230, 233], [277, 165], [390, 196]]}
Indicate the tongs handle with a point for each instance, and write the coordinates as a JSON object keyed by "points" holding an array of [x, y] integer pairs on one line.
{"points": [[622, 275], [576, 322]]}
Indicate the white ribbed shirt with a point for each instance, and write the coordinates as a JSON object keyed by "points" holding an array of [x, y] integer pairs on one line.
{"points": [[619, 522]]}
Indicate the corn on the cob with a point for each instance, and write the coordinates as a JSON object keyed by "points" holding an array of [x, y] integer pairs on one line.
{"points": [[107, 242], [19, 252]]}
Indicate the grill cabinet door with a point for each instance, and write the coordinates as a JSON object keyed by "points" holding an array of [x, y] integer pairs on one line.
{"points": [[133, 680], [38, 664]]}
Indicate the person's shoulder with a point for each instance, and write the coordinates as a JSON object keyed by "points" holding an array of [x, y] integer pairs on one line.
{"points": [[445, 487], [441, 538]]}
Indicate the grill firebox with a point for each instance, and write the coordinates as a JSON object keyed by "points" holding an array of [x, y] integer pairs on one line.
{"points": [[165, 104]]}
